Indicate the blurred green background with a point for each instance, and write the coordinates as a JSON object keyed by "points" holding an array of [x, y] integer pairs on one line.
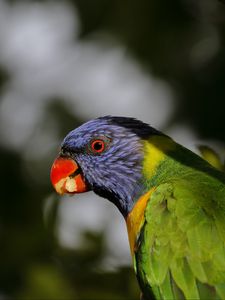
{"points": [[62, 63]]}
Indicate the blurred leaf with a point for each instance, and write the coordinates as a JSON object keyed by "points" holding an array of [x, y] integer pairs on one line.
{"points": [[4, 78], [46, 282], [211, 156], [59, 112]]}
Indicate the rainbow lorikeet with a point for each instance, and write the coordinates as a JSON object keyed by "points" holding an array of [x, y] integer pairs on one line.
{"points": [[172, 200]]}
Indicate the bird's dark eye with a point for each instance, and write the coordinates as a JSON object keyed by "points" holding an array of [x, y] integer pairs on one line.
{"points": [[99, 145]]}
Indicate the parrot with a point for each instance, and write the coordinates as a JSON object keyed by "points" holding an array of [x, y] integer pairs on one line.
{"points": [[172, 201]]}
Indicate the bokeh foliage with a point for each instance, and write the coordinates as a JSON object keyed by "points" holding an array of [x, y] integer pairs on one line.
{"points": [[172, 40], [182, 41]]}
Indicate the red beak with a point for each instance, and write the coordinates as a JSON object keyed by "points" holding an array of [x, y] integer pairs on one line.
{"points": [[66, 176]]}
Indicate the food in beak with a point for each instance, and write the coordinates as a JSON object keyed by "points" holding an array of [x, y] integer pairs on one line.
{"points": [[66, 176]]}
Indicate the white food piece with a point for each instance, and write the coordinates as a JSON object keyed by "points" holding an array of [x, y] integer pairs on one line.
{"points": [[71, 186], [59, 186]]}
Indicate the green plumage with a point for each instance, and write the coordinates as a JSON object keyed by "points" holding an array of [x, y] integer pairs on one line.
{"points": [[181, 246]]}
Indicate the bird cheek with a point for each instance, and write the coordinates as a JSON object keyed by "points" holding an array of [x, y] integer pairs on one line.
{"points": [[66, 177]]}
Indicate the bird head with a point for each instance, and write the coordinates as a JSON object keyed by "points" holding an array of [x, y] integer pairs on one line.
{"points": [[104, 155]]}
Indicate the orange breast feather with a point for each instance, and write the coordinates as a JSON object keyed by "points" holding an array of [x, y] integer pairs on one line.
{"points": [[135, 219]]}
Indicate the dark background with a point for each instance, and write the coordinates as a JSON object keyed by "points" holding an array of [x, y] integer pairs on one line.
{"points": [[180, 42]]}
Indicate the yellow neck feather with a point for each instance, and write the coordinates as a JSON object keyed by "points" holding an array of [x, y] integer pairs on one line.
{"points": [[155, 150]]}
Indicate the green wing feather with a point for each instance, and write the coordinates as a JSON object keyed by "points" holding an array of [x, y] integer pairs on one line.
{"points": [[181, 252]]}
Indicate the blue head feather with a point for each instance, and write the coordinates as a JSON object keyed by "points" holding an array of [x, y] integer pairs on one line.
{"points": [[116, 173]]}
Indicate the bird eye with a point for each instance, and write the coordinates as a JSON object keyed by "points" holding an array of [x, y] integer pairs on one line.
{"points": [[98, 146]]}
